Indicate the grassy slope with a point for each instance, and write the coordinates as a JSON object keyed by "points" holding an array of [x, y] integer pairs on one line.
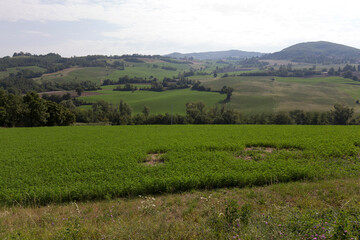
{"points": [[159, 102], [93, 74], [260, 94], [284, 211]]}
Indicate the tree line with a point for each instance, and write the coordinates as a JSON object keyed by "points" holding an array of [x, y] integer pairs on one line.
{"points": [[32, 111], [198, 113]]}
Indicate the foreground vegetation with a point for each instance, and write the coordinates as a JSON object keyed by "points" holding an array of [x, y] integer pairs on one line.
{"points": [[301, 210], [87, 163]]}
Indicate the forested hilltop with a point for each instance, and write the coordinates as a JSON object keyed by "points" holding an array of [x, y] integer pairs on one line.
{"points": [[318, 53]]}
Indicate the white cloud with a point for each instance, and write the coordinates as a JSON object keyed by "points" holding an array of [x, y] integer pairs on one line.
{"points": [[160, 26], [42, 34]]}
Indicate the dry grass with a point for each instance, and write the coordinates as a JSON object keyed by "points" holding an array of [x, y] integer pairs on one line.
{"points": [[180, 216]]}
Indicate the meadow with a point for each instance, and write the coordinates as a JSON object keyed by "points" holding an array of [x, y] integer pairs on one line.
{"points": [[63, 164], [263, 94], [159, 102]]}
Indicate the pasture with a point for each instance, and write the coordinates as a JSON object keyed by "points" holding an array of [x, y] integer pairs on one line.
{"points": [[262, 94], [159, 102]]}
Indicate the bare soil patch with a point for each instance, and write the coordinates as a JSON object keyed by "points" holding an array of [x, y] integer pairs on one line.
{"points": [[264, 149], [259, 153], [153, 159]]}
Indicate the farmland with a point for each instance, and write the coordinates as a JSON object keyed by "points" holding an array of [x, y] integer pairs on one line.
{"points": [[262, 94], [159, 102], [87, 163]]}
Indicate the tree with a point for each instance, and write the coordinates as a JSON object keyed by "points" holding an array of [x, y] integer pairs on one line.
{"points": [[331, 71], [59, 115], [36, 110], [146, 111], [123, 116], [229, 93], [341, 114], [196, 113], [79, 91], [282, 118], [347, 74]]}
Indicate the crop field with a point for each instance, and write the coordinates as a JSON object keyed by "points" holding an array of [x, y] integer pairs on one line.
{"points": [[62, 164], [159, 102], [262, 94], [93, 74]]}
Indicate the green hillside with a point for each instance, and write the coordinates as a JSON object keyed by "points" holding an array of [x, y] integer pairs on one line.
{"points": [[262, 94], [159, 102]]}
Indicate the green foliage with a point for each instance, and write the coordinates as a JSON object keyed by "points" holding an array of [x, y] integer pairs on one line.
{"points": [[341, 114], [32, 111]]}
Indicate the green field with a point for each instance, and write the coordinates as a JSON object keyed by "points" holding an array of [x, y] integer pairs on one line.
{"points": [[261, 94], [93, 74], [159, 102], [60, 164]]}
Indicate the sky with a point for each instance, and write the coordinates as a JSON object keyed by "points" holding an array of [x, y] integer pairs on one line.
{"points": [[116, 27]]}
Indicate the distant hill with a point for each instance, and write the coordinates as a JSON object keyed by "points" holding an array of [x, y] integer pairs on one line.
{"points": [[216, 55], [317, 52]]}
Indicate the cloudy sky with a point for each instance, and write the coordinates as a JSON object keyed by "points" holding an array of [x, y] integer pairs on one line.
{"points": [[116, 27]]}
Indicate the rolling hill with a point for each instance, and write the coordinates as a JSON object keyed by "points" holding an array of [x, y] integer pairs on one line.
{"points": [[216, 55], [317, 52]]}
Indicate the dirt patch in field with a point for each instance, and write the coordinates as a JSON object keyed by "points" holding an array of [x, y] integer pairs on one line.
{"points": [[264, 149], [260, 153], [153, 159], [64, 72]]}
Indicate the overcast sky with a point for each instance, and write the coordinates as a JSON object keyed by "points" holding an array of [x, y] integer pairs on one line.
{"points": [[85, 27]]}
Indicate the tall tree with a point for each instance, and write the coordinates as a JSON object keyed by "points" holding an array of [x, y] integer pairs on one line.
{"points": [[341, 114], [36, 110]]}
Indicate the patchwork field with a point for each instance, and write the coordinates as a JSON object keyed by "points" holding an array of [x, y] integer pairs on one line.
{"points": [[62, 164], [70, 75], [99, 74], [262, 94], [159, 102]]}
